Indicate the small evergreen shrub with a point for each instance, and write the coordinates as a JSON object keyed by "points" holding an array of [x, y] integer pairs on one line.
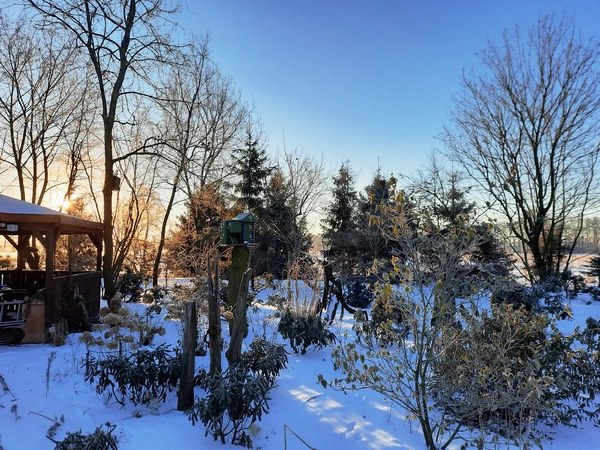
{"points": [[100, 439], [142, 377], [358, 293], [235, 400], [131, 283], [304, 331], [265, 358], [238, 398]]}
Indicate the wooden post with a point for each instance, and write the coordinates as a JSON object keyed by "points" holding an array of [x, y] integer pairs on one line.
{"points": [[215, 341], [185, 396], [239, 325]]}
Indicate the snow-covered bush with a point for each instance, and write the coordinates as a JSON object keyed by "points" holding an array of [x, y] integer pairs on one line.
{"points": [[100, 439], [304, 331], [141, 377], [125, 329], [235, 400], [238, 397]]}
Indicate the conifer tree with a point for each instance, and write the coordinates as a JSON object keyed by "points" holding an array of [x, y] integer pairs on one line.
{"points": [[251, 165], [339, 227], [378, 195]]}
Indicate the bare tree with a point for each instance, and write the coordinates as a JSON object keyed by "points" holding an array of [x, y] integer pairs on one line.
{"points": [[41, 106], [124, 42], [202, 119], [527, 132], [307, 183], [135, 214]]}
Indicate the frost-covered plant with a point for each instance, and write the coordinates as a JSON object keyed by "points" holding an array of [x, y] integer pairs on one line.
{"points": [[416, 297], [142, 377], [101, 439], [125, 329]]}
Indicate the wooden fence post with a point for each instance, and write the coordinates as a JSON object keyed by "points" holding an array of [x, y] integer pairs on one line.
{"points": [[215, 341], [185, 396]]}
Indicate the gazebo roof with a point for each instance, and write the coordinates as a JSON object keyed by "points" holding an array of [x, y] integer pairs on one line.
{"points": [[28, 218]]}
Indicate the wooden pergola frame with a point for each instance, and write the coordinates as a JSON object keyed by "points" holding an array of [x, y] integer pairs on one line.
{"points": [[23, 220]]}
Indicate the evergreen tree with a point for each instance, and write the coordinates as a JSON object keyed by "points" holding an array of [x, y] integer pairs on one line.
{"points": [[339, 227], [250, 164], [453, 207], [379, 195], [281, 236]]}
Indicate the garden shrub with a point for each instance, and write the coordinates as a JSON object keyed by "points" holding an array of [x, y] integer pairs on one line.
{"points": [[124, 329], [142, 377], [304, 331], [265, 358], [131, 283], [573, 364], [541, 297], [489, 375], [100, 439], [235, 400], [358, 293], [512, 370], [238, 397]]}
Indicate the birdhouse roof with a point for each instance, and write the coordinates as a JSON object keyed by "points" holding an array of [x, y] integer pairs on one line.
{"points": [[244, 217]]}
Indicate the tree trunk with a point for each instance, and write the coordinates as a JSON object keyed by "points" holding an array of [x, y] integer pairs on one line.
{"points": [[107, 269], [185, 395], [239, 325], [163, 232]]}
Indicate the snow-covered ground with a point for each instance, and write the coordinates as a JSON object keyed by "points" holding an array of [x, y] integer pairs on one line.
{"points": [[323, 418]]}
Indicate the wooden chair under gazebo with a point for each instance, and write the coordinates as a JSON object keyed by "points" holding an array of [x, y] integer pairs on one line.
{"points": [[69, 295]]}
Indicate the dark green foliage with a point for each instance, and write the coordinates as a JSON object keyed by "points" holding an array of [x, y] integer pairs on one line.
{"points": [[358, 293], [517, 295], [238, 397], [304, 331], [572, 362], [281, 235], [266, 359], [340, 228], [250, 164], [373, 242], [100, 439], [130, 283], [235, 400], [141, 377], [593, 268], [541, 297]]}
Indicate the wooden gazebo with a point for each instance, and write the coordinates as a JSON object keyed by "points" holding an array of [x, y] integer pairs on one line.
{"points": [[19, 222]]}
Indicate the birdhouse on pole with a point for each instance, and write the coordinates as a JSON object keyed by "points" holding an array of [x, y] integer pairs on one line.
{"points": [[239, 230]]}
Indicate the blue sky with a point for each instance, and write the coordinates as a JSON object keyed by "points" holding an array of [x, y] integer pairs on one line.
{"points": [[367, 81]]}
